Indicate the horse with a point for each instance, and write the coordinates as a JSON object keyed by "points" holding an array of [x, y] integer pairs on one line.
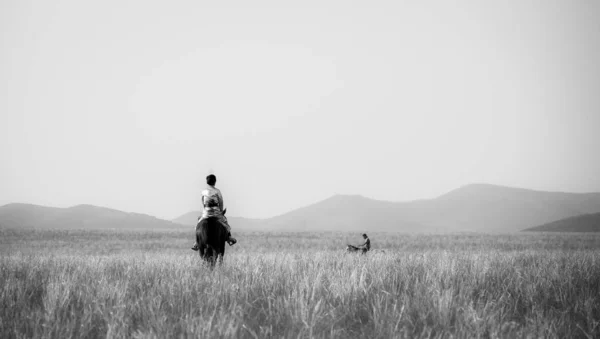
{"points": [[211, 236]]}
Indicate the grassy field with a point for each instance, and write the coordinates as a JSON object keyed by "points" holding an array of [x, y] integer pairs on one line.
{"points": [[148, 284]]}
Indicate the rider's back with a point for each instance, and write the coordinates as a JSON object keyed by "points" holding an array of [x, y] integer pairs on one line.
{"points": [[213, 202]]}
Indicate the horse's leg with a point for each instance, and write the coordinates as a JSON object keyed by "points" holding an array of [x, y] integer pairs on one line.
{"points": [[205, 253], [201, 250], [221, 254], [210, 256]]}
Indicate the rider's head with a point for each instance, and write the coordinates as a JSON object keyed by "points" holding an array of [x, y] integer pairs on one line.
{"points": [[211, 179], [365, 235]]}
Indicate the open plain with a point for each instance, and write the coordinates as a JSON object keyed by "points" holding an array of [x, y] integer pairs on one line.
{"points": [[89, 284]]}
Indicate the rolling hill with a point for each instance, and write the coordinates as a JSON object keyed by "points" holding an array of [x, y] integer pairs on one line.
{"points": [[474, 208], [580, 223], [76, 217], [346, 213], [489, 208]]}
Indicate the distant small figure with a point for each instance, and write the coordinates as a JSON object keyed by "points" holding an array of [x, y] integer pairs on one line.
{"points": [[212, 201], [364, 248]]}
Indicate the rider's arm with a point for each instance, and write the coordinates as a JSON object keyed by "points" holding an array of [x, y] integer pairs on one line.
{"points": [[221, 204]]}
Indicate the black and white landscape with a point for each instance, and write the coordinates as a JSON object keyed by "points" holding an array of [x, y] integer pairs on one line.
{"points": [[390, 169]]}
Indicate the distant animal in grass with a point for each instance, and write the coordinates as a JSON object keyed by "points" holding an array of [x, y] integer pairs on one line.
{"points": [[355, 249]]}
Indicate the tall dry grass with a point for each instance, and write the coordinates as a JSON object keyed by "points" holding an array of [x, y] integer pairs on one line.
{"points": [[61, 284]]}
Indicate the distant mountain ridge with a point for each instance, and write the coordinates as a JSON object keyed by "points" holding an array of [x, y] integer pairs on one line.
{"points": [[477, 207], [76, 217], [474, 208], [580, 223]]}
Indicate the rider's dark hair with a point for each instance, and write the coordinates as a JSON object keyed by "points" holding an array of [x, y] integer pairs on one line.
{"points": [[211, 179], [364, 235]]}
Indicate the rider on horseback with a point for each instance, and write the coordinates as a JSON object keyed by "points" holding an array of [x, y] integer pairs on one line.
{"points": [[212, 200]]}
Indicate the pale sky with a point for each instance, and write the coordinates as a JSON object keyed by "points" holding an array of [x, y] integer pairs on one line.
{"points": [[130, 104]]}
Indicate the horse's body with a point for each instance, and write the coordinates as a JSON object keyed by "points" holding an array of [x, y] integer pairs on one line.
{"points": [[211, 237]]}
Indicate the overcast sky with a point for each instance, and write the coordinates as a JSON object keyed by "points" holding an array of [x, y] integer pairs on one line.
{"points": [[130, 104]]}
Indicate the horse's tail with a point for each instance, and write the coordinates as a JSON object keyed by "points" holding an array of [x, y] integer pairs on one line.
{"points": [[212, 254]]}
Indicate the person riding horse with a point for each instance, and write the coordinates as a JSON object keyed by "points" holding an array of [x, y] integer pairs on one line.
{"points": [[212, 201]]}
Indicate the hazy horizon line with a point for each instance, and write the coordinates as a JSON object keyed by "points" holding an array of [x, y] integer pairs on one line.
{"points": [[307, 205]]}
